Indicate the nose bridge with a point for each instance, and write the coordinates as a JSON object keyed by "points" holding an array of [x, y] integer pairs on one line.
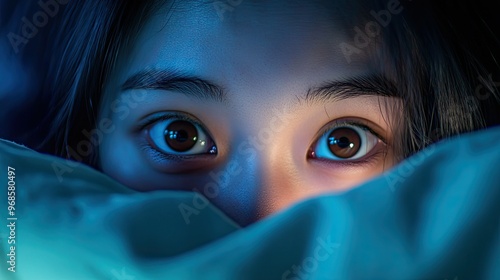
{"points": [[270, 171], [260, 161], [268, 137]]}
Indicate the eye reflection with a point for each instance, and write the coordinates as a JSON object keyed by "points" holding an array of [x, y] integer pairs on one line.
{"points": [[180, 136], [345, 142]]}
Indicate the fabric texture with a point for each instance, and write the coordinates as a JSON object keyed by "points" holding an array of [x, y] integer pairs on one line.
{"points": [[434, 216]]}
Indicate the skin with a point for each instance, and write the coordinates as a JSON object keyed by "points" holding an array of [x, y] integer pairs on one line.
{"points": [[266, 57]]}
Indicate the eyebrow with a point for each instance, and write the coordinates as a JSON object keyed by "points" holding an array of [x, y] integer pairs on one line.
{"points": [[371, 85], [174, 80]]}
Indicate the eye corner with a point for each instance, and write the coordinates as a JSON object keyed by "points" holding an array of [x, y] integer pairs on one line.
{"points": [[311, 154]]}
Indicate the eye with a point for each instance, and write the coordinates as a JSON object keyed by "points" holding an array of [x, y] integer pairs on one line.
{"points": [[345, 142], [180, 136]]}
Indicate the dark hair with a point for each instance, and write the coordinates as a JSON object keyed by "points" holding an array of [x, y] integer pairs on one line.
{"points": [[86, 44], [435, 77]]}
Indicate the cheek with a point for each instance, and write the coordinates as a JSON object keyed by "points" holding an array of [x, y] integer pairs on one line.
{"points": [[119, 158], [312, 182], [338, 178]]}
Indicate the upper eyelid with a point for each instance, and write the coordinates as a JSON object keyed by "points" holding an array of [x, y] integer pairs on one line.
{"points": [[160, 116]]}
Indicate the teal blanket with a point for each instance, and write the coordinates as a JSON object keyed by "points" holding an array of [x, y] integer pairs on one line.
{"points": [[434, 216]]}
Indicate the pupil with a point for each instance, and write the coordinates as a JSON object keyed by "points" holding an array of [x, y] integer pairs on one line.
{"points": [[181, 136], [343, 142]]}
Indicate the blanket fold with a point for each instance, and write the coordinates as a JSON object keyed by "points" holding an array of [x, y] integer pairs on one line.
{"points": [[434, 216]]}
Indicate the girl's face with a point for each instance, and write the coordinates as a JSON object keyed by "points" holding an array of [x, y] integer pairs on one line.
{"points": [[255, 106]]}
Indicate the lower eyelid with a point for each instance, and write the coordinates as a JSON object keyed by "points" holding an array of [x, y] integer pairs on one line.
{"points": [[176, 164], [165, 157]]}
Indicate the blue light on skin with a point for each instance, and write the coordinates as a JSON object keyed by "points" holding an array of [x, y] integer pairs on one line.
{"points": [[265, 57]]}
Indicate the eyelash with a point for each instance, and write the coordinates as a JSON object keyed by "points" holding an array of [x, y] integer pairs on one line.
{"points": [[151, 119]]}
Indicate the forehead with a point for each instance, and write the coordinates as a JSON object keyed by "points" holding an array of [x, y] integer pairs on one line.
{"points": [[298, 22], [251, 42]]}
